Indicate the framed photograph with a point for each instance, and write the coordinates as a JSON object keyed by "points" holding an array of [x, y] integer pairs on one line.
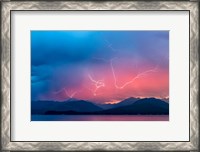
{"points": [[110, 75]]}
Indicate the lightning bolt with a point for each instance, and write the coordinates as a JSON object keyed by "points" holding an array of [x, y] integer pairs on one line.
{"points": [[67, 93], [57, 92], [97, 83], [110, 46], [139, 75]]}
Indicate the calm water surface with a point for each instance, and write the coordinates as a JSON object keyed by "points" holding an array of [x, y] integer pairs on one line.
{"points": [[99, 118]]}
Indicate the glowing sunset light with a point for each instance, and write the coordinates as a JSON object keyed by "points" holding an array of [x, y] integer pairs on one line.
{"points": [[99, 66], [113, 102]]}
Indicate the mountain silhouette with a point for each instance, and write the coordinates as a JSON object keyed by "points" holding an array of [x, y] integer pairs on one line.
{"points": [[106, 106], [165, 99], [41, 107], [143, 106], [71, 99], [146, 106], [126, 102]]}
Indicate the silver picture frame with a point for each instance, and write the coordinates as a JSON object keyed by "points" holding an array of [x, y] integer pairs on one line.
{"points": [[8, 6]]}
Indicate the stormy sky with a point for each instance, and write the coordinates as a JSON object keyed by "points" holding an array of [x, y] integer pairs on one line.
{"points": [[99, 66]]}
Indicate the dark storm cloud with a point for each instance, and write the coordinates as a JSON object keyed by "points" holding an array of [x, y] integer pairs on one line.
{"points": [[60, 47], [60, 58]]}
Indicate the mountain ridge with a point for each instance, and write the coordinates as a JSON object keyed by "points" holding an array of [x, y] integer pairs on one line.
{"points": [[128, 106], [40, 107]]}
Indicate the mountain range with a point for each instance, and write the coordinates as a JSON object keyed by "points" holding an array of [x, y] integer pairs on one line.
{"points": [[125, 102], [129, 106]]}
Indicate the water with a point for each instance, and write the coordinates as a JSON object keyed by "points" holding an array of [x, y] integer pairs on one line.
{"points": [[99, 118]]}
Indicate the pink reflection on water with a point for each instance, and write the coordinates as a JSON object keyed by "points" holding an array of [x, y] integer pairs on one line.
{"points": [[100, 118]]}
